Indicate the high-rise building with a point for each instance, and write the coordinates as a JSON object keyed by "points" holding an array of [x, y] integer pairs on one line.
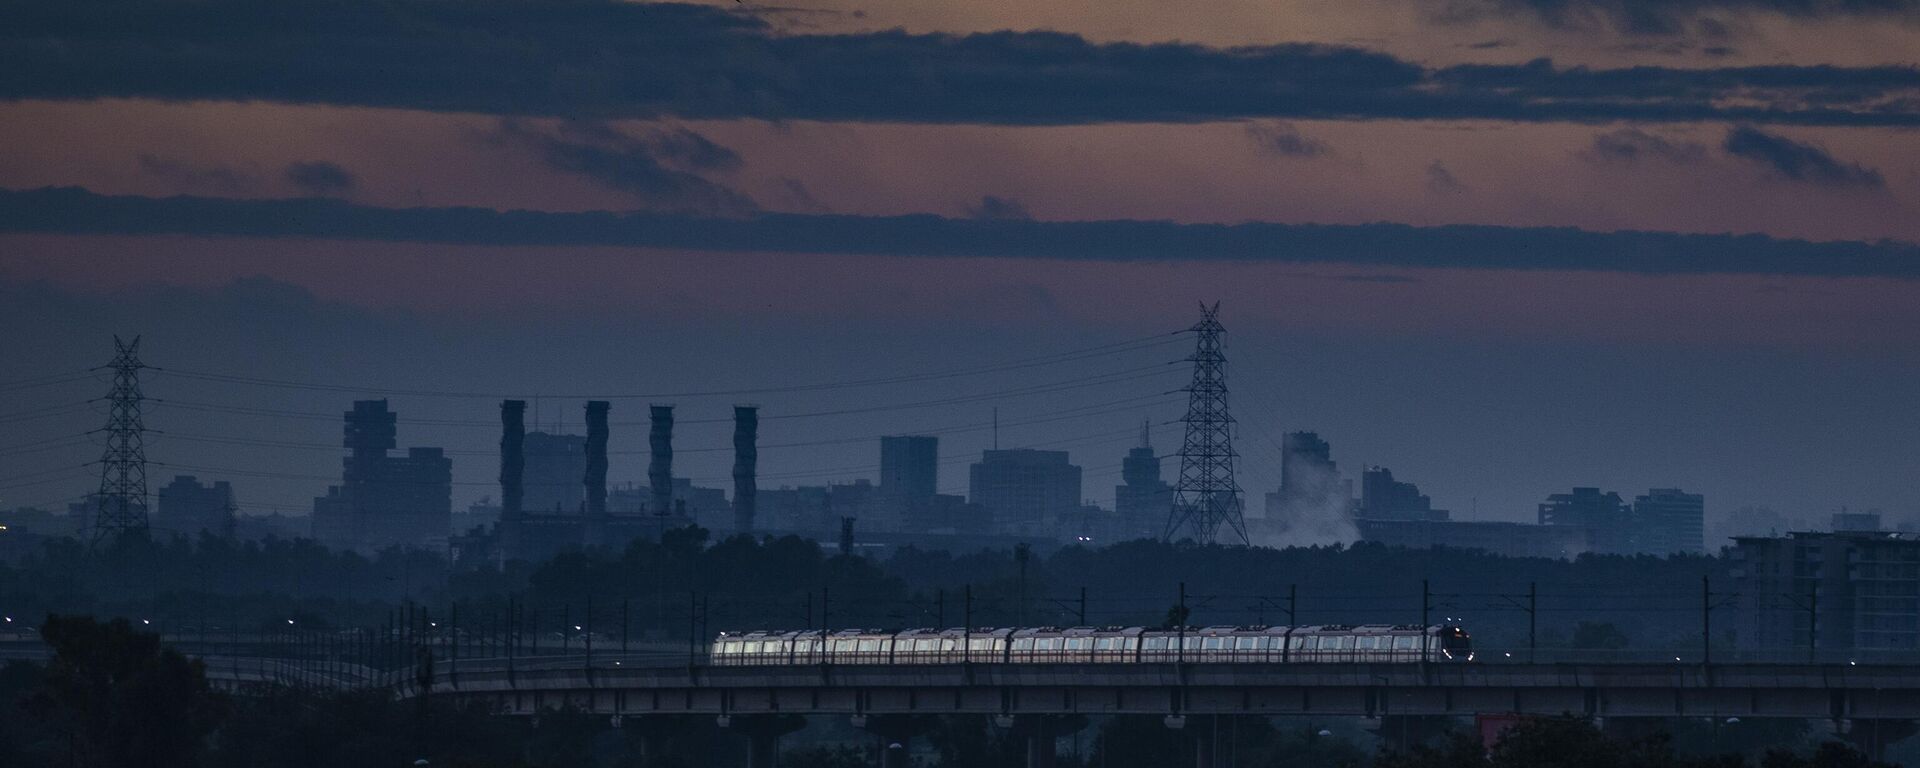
{"points": [[909, 480], [384, 500], [910, 466], [1141, 502], [187, 508], [1025, 491], [554, 477], [1314, 504], [1668, 521], [1384, 498], [1846, 591], [1607, 520]]}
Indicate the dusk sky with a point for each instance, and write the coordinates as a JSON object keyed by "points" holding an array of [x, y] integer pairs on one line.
{"points": [[1503, 247]]}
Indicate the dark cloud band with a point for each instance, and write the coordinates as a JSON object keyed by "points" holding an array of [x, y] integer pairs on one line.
{"points": [[78, 211], [599, 58]]}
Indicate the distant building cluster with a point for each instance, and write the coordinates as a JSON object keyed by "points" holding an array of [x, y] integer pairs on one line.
{"points": [[1315, 504], [555, 495]]}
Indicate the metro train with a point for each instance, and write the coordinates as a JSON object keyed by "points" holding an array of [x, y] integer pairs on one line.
{"points": [[1319, 644]]}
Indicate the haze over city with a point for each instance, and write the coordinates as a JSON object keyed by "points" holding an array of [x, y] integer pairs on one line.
{"points": [[1481, 332]]}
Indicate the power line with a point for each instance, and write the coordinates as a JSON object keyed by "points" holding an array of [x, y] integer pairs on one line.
{"points": [[1112, 377], [1052, 359], [46, 381], [1126, 404]]}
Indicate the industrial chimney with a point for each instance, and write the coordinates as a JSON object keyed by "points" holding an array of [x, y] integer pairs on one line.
{"points": [[660, 469], [746, 455], [513, 463], [596, 478]]}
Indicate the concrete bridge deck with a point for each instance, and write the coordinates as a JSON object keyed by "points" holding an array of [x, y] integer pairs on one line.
{"points": [[1371, 690]]}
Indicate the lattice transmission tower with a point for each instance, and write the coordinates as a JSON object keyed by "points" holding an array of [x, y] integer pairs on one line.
{"points": [[120, 506], [1207, 498]]}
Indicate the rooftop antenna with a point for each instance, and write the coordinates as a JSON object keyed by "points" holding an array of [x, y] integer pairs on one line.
{"points": [[1146, 440]]}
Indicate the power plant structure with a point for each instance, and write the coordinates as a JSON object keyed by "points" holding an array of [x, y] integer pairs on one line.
{"points": [[523, 533]]}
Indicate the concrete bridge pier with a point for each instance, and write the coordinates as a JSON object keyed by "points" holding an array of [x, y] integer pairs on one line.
{"points": [[1206, 740], [1042, 734], [896, 734], [1873, 735], [763, 734]]}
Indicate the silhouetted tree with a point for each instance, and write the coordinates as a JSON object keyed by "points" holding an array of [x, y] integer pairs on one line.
{"points": [[120, 699]]}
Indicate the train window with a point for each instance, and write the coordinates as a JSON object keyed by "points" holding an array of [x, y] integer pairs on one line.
{"points": [[1191, 644], [1406, 642], [869, 646], [753, 647], [1107, 644], [843, 645], [1047, 644], [1343, 642], [1212, 643], [1156, 644], [1023, 644], [949, 644], [1297, 643], [1246, 643]]}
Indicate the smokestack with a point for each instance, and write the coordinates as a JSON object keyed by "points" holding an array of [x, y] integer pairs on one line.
{"points": [[596, 478], [746, 455], [660, 469], [513, 463]]}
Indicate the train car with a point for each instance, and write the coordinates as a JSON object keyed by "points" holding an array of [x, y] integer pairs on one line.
{"points": [[1313, 644]]}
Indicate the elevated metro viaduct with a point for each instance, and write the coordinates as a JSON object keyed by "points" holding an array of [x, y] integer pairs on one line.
{"points": [[751, 698]]}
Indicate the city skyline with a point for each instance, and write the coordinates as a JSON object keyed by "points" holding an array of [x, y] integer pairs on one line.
{"points": [[555, 436]]}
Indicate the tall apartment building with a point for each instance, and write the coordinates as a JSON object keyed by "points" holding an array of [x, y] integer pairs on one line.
{"points": [[1143, 500], [1606, 519], [909, 481], [1839, 592], [384, 500], [188, 508], [1384, 498], [1025, 491], [1669, 521]]}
